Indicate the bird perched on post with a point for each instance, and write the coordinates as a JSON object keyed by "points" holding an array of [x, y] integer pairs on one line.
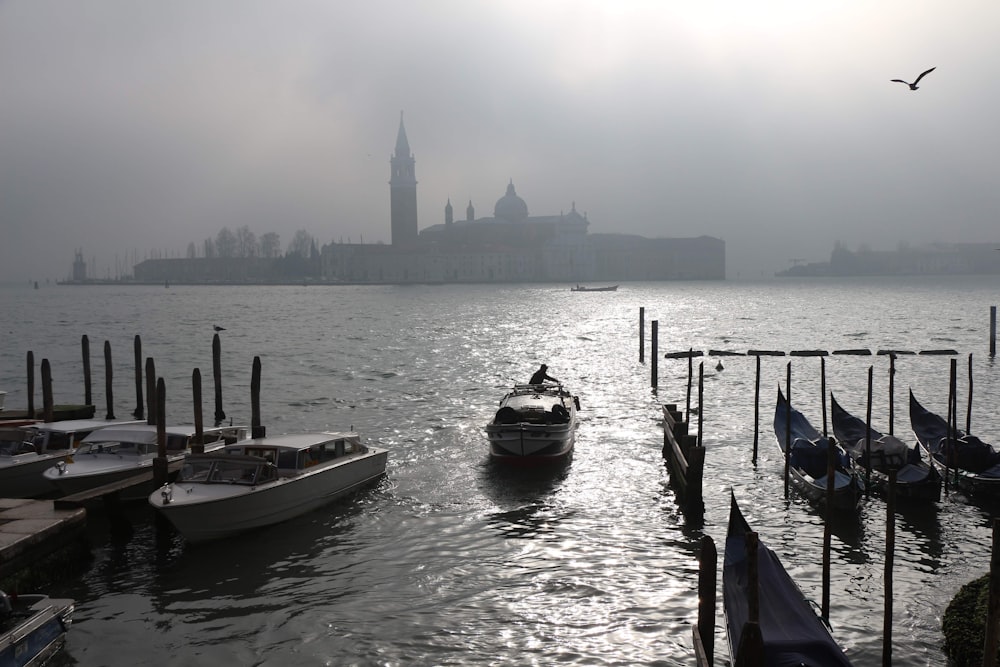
{"points": [[218, 328], [913, 86]]}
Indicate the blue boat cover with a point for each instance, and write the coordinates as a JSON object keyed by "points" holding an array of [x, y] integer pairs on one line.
{"points": [[793, 635]]}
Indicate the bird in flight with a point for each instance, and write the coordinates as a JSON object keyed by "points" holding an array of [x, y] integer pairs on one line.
{"points": [[913, 86], [218, 328]]}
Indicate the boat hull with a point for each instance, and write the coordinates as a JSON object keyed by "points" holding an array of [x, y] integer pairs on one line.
{"points": [[931, 431], [22, 476], [35, 630], [534, 425], [808, 465], [204, 512]]}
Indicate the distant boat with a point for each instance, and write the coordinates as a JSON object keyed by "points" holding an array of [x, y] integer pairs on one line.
{"points": [[582, 288]]}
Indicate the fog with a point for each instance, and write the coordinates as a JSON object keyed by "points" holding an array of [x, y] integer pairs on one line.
{"points": [[136, 127]]}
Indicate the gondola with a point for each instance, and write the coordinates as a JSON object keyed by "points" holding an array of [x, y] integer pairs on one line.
{"points": [[807, 463], [974, 463], [790, 632], [916, 479]]}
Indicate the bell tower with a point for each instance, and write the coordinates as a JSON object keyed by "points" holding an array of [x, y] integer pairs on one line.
{"points": [[402, 191]]}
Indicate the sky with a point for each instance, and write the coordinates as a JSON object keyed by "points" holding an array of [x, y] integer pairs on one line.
{"points": [[131, 127]]}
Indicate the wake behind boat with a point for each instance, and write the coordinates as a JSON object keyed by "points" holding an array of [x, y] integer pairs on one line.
{"points": [[263, 481], [790, 631], [807, 463], [975, 464], [536, 423], [915, 478]]}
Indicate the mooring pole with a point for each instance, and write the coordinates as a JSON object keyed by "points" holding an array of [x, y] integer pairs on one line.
{"points": [[890, 548], [993, 331], [709, 559], [47, 406], [199, 429], [788, 421], [137, 347], [968, 414], [642, 334], [256, 429], [992, 639], [687, 405], [892, 378], [31, 384], [151, 418], [655, 354], [756, 409], [159, 399], [822, 390], [85, 349], [217, 376], [868, 436], [701, 398], [108, 381]]}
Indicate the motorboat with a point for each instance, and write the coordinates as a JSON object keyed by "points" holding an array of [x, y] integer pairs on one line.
{"points": [[263, 481], [535, 423], [115, 453], [583, 288], [32, 628], [32, 447]]}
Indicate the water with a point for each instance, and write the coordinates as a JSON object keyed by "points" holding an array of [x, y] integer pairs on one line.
{"points": [[450, 561]]}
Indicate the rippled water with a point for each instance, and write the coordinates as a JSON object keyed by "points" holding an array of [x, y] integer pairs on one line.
{"points": [[451, 561]]}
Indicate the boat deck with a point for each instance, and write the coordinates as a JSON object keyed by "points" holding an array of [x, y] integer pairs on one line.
{"points": [[32, 528]]}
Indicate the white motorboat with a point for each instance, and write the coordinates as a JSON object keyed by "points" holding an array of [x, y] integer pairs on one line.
{"points": [[263, 481], [32, 447], [115, 453], [32, 627], [536, 423]]}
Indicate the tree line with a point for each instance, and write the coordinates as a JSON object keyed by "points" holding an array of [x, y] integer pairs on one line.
{"points": [[244, 243]]}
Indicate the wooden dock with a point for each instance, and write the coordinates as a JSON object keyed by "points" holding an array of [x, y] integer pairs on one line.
{"points": [[685, 460], [31, 529]]}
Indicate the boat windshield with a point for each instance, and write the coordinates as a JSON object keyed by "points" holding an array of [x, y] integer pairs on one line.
{"points": [[13, 442], [225, 471]]}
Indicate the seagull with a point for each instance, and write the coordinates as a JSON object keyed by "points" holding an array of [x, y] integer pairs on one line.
{"points": [[913, 86], [218, 328]]}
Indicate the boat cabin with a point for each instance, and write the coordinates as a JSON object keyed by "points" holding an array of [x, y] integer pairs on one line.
{"points": [[15, 441]]}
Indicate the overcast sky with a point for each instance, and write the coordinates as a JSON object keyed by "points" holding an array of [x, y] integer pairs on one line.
{"points": [[130, 126]]}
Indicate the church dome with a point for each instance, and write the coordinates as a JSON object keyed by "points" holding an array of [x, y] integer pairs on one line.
{"points": [[511, 207]]}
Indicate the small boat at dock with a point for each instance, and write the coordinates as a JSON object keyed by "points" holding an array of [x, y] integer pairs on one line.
{"points": [[536, 423], [28, 450], [916, 479], [263, 481], [789, 631], [974, 464], [808, 456], [32, 628], [115, 453]]}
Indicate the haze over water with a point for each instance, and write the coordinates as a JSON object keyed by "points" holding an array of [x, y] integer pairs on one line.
{"points": [[451, 561]]}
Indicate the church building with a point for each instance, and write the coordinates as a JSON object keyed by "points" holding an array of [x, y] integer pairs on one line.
{"points": [[509, 246]]}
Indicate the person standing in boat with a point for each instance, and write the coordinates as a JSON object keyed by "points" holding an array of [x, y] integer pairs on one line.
{"points": [[541, 376]]}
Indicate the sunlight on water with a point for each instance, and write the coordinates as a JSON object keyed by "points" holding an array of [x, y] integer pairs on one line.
{"points": [[453, 561]]}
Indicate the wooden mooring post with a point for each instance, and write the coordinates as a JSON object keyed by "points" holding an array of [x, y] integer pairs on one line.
{"points": [[788, 422], [160, 462], [31, 384], [992, 635], [256, 429], [654, 354], [85, 350], [151, 418], [756, 410], [199, 429], [48, 407], [109, 392], [642, 334], [890, 549], [993, 331], [220, 415], [704, 631], [137, 350]]}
